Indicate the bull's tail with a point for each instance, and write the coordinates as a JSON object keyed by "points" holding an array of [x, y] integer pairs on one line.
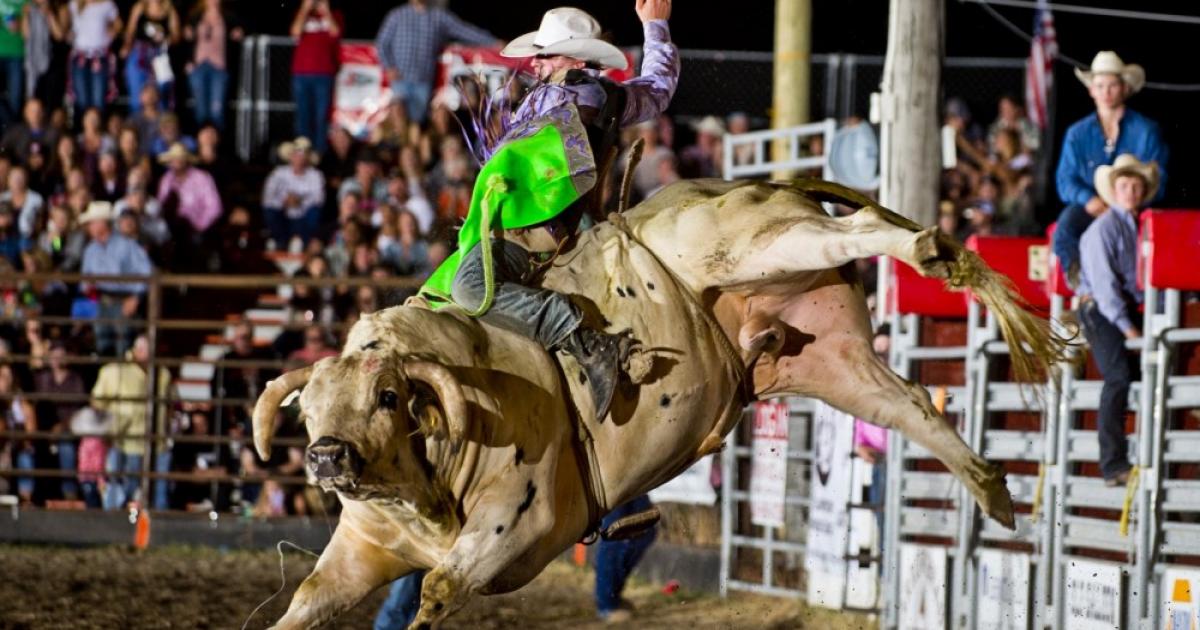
{"points": [[1035, 347]]}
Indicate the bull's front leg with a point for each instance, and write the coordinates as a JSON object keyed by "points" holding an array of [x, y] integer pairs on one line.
{"points": [[349, 569], [494, 537]]}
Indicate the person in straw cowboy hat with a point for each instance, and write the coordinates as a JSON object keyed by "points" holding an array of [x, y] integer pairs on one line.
{"points": [[1109, 296], [194, 191], [1097, 140], [293, 194], [703, 158], [110, 254], [570, 110]]}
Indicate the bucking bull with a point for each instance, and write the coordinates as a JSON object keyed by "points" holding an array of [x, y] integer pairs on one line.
{"points": [[461, 448]]}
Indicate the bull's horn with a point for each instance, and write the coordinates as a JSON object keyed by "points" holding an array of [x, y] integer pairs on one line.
{"points": [[448, 390], [268, 406]]}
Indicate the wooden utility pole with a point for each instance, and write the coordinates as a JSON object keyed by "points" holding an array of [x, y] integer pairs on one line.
{"points": [[793, 57], [909, 103]]}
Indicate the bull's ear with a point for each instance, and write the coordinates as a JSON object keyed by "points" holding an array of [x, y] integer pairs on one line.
{"points": [[452, 414], [424, 409]]}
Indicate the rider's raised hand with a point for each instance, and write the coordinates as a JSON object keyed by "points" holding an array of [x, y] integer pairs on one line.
{"points": [[648, 10]]}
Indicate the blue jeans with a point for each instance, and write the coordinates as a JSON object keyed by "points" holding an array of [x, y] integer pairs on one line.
{"points": [[112, 339], [876, 495], [282, 227], [121, 488], [208, 94], [541, 314], [402, 603], [162, 487], [90, 86], [615, 559], [66, 461], [1107, 344], [1072, 222], [415, 96], [91, 494], [14, 83], [313, 94], [138, 72], [23, 460]]}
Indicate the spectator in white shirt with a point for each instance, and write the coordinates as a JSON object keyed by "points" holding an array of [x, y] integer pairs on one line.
{"points": [[294, 194], [28, 203]]}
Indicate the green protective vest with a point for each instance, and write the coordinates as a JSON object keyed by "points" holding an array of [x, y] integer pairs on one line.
{"points": [[545, 166]]}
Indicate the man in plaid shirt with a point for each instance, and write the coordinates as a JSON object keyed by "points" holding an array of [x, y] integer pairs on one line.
{"points": [[409, 41]]}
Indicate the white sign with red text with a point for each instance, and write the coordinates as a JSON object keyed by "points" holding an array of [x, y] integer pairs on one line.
{"points": [[768, 466]]}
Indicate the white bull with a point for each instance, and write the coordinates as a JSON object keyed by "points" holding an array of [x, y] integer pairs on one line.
{"points": [[456, 447]]}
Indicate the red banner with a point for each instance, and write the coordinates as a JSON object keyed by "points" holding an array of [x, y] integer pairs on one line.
{"points": [[361, 93]]}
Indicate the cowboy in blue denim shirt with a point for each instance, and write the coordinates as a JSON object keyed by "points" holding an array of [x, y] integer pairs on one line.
{"points": [[1096, 141]]}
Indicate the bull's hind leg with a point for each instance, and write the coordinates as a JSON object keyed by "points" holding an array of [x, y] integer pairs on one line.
{"points": [[843, 371], [784, 243]]}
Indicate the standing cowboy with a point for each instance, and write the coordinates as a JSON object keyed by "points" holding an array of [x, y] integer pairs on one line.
{"points": [[1096, 141], [537, 182], [1109, 298]]}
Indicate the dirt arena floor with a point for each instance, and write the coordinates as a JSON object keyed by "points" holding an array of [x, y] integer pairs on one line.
{"points": [[203, 588]]}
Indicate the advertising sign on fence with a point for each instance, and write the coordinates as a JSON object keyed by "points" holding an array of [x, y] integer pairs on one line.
{"points": [[1180, 594], [922, 587], [1093, 597], [829, 512], [1003, 590], [693, 486], [768, 466], [361, 93]]}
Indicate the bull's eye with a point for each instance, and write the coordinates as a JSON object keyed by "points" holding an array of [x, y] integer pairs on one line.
{"points": [[389, 400]]}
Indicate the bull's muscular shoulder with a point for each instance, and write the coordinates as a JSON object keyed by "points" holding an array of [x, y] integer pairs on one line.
{"points": [[449, 337]]}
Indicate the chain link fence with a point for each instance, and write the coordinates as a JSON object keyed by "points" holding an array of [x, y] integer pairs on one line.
{"points": [[712, 83]]}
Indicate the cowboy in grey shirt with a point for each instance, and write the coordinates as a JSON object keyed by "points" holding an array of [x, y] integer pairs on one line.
{"points": [[1109, 295]]}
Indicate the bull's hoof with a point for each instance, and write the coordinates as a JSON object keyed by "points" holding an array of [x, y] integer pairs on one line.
{"points": [[994, 498], [932, 259]]}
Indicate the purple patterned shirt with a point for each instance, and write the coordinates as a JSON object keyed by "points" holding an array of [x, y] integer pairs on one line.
{"points": [[647, 95]]}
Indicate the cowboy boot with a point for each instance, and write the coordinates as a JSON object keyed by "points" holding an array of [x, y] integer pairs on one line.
{"points": [[600, 356]]}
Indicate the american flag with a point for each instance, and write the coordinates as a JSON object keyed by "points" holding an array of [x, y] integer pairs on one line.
{"points": [[1039, 68]]}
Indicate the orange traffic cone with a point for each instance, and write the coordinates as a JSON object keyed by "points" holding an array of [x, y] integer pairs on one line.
{"points": [[141, 532]]}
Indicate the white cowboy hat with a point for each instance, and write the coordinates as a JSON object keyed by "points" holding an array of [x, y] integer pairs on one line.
{"points": [[569, 32], [91, 421], [1107, 62], [1126, 164], [710, 125], [299, 144], [176, 151], [97, 211]]}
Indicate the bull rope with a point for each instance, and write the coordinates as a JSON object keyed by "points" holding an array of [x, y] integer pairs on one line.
{"points": [[495, 184], [282, 577]]}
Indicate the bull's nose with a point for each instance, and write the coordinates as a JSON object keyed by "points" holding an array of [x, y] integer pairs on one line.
{"points": [[329, 458]]}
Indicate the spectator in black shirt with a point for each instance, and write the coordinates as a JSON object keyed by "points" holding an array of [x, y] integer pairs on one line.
{"points": [[20, 139]]}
